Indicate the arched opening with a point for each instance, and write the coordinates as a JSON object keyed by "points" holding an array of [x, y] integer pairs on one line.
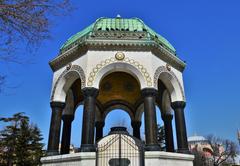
{"points": [[164, 103], [160, 129], [71, 117], [118, 94], [119, 67], [117, 117], [77, 127], [141, 118], [64, 82], [76, 136], [172, 84]]}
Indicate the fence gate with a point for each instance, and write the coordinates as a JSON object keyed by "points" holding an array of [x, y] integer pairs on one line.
{"points": [[120, 149]]}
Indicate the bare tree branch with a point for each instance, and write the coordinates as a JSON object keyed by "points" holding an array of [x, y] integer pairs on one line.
{"points": [[223, 150], [26, 23]]}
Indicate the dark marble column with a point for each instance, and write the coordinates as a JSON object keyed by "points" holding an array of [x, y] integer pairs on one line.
{"points": [[150, 119], [167, 119], [136, 129], [90, 95], [99, 130], [66, 134], [55, 127], [182, 143]]}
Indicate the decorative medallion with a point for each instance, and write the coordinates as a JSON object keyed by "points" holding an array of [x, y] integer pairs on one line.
{"points": [[168, 67], [68, 67], [119, 56]]}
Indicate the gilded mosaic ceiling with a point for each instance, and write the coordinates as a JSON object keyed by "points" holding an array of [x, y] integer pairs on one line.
{"points": [[119, 86]]}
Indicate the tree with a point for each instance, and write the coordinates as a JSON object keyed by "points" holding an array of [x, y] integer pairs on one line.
{"points": [[20, 142], [215, 151], [25, 23], [161, 137], [199, 157], [223, 150]]}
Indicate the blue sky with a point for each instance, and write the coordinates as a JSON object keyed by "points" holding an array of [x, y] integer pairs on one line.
{"points": [[206, 34]]}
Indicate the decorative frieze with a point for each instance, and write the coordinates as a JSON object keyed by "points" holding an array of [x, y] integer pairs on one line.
{"points": [[126, 60], [119, 35], [89, 44]]}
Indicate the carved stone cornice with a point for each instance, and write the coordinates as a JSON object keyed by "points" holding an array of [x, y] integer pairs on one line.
{"points": [[120, 35], [121, 45], [69, 56]]}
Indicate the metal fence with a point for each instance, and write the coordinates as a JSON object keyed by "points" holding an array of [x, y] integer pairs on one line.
{"points": [[120, 150]]}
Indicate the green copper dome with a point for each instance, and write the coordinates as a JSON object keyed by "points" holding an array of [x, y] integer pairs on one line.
{"points": [[117, 29]]}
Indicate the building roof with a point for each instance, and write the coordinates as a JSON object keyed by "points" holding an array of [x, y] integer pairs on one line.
{"points": [[196, 138], [118, 29]]}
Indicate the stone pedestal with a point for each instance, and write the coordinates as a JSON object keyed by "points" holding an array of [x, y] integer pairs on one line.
{"points": [[152, 158], [82, 158]]}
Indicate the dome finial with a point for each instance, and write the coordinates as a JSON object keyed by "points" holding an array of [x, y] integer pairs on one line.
{"points": [[118, 16]]}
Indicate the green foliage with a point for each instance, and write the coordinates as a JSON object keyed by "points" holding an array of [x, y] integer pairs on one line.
{"points": [[161, 137], [20, 142]]}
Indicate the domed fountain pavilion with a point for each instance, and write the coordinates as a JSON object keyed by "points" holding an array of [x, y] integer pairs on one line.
{"points": [[117, 63]]}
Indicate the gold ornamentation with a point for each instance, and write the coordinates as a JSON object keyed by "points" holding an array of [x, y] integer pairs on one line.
{"points": [[119, 56], [168, 67], [111, 60], [68, 67]]}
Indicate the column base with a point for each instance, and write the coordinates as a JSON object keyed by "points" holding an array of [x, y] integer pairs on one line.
{"points": [[52, 153], [88, 148], [152, 147], [185, 151]]}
